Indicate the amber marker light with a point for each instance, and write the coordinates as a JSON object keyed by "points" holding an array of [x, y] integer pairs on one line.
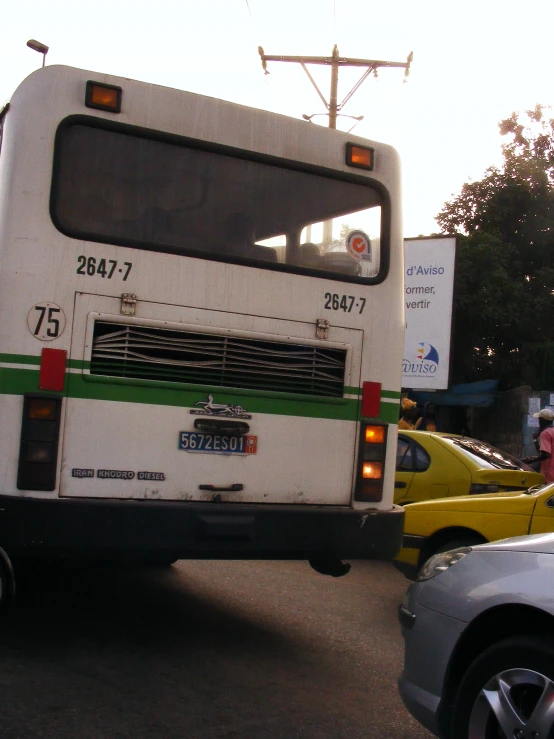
{"points": [[42, 409], [103, 97], [375, 434], [360, 156], [372, 471]]}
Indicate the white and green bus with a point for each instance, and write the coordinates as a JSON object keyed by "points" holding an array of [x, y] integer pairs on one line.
{"points": [[203, 326]]}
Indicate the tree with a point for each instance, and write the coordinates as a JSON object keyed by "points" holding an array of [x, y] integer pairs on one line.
{"points": [[503, 293]]}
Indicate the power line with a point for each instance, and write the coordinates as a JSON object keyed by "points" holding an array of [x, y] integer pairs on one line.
{"points": [[252, 21], [249, 12]]}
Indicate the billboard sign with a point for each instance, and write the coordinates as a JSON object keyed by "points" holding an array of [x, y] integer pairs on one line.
{"points": [[428, 291]]}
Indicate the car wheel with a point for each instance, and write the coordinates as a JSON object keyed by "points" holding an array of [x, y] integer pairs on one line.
{"points": [[507, 692]]}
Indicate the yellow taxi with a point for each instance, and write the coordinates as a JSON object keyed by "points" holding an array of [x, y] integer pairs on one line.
{"points": [[435, 526], [437, 465]]}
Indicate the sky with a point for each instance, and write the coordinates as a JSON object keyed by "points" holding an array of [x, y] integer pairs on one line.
{"points": [[475, 62]]}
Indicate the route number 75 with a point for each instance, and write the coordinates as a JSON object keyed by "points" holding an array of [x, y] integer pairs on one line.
{"points": [[46, 321], [50, 321]]}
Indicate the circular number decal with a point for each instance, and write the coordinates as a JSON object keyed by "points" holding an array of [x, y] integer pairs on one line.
{"points": [[46, 321], [358, 245]]}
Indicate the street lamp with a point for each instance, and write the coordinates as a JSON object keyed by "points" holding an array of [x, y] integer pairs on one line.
{"points": [[37, 46]]}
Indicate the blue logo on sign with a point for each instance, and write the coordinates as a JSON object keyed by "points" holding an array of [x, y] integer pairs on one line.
{"points": [[427, 361], [427, 352]]}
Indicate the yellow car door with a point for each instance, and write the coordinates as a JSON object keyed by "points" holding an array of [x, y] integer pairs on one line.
{"points": [[542, 521], [429, 469]]}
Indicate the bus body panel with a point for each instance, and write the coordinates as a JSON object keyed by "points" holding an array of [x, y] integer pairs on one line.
{"points": [[130, 439]]}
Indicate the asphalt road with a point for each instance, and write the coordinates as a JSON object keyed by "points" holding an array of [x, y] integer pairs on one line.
{"points": [[205, 650]]}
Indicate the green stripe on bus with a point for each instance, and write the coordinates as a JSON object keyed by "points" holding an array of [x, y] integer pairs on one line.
{"points": [[82, 364], [19, 381], [388, 413], [394, 394], [20, 358]]}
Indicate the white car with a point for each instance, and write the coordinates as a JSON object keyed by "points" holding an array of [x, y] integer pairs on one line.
{"points": [[479, 641]]}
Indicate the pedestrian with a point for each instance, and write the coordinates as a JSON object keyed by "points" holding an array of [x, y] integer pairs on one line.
{"points": [[429, 418], [546, 444], [409, 420]]}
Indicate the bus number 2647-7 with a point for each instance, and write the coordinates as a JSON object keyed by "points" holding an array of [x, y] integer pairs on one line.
{"points": [[103, 267], [333, 301]]}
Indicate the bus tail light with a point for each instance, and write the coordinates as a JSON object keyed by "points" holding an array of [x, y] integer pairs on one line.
{"points": [[38, 452], [103, 97], [371, 462]]}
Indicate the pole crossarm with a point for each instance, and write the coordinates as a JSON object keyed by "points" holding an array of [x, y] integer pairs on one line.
{"points": [[341, 61]]}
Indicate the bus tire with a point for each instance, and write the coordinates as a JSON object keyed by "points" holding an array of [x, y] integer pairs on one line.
{"points": [[7, 583]]}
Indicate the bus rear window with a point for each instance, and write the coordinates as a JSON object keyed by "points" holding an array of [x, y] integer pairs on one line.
{"points": [[118, 187]]}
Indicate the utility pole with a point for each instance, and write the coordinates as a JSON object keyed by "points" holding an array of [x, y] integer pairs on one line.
{"points": [[333, 106], [335, 61]]}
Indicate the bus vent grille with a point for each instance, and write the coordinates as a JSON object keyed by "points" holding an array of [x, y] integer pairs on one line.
{"points": [[146, 353]]}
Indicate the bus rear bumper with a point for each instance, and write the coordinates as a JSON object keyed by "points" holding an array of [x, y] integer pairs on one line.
{"points": [[129, 529]]}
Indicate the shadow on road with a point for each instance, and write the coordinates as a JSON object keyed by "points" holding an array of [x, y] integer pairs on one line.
{"points": [[124, 606], [196, 651], [135, 652]]}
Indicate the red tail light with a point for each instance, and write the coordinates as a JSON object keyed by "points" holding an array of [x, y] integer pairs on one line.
{"points": [[371, 399], [52, 369]]}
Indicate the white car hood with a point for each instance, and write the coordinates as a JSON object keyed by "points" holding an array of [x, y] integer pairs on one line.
{"points": [[541, 543]]}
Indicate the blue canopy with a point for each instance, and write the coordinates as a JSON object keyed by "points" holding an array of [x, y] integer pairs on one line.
{"points": [[469, 395]]}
